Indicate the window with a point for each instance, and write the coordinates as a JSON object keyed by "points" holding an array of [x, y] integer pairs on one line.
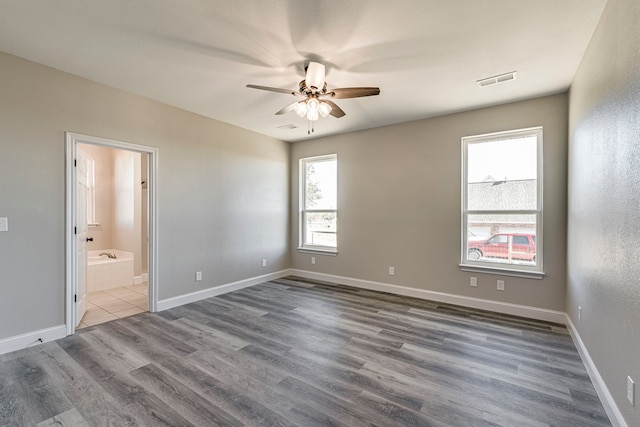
{"points": [[91, 191], [502, 202], [318, 203]]}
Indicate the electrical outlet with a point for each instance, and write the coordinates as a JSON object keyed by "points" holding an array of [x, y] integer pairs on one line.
{"points": [[392, 271], [313, 260], [264, 262], [4, 224], [579, 313], [501, 285], [198, 276], [631, 391], [473, 282]]}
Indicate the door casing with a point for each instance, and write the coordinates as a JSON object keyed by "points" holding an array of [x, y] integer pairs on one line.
{"points": [[71, 267]]}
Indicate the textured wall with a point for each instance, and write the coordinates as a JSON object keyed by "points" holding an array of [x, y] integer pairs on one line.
{"points": [[604, 201], [223, 191], [399, 203]]}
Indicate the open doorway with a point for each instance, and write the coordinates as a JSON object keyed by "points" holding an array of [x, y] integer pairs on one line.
{"points": [[111, 224]]}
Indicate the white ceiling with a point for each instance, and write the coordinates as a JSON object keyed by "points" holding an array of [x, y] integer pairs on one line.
{"points": [[425, 55]]}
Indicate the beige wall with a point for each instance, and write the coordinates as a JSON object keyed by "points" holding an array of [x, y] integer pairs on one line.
{"points": [[604, 198], [223, 191], [127, 203], [399, 203]]}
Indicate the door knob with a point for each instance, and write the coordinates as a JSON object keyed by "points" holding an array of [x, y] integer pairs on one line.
{"points": [[89, 239]]}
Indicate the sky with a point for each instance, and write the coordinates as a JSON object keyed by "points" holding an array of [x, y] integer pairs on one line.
{"points": [[513, 159]]}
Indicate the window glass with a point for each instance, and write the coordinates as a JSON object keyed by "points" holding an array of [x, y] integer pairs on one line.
{"points": [[319, 222]]}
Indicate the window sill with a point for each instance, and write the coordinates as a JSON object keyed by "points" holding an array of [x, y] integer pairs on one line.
{"points": [[539, 275], [330, 252]]}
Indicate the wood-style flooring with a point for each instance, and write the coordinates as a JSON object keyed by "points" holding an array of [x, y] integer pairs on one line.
{"points": [[294, 352]]}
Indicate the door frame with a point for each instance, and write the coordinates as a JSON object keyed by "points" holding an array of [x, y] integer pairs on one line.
{"points": [[71, 267]]}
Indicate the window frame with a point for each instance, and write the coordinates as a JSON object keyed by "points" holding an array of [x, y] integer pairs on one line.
{"points": [[303, 211], [91, 192], [535, 271]]}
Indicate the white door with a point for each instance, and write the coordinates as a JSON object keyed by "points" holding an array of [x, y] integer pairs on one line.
{"points": [[81, 234]]}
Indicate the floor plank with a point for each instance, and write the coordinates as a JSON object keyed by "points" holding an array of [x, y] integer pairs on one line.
{"points": [[298, 352]]}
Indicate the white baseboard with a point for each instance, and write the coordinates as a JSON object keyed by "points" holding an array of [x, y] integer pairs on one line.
{"points": [[19, 342], [610, 407], [482, 304], [168, 303], [139, 280]]}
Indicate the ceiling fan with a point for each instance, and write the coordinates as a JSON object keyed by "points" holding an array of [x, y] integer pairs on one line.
{"points": [[317, 99]]}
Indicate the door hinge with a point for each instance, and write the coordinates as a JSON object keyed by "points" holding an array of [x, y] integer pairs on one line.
{"points": [[75, 298], [75, 163], [75, 230]]}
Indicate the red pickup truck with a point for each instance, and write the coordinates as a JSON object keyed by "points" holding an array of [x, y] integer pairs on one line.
{"points": [[523, 247]]}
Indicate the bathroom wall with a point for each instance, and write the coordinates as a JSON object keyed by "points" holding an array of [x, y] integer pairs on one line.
{"points": [[127, 194], [144, 217]]}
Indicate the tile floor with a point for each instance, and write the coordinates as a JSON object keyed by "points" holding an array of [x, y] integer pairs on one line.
{"points": [[116, 303]]}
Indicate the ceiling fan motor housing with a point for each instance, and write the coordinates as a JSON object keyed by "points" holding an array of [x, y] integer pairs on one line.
{"points": [[310, 90]]}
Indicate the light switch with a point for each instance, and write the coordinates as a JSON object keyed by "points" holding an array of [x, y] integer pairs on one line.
{"points": [[4, 224]]}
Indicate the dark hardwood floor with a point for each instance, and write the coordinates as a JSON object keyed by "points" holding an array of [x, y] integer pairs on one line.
{"points": [[294, 352]]}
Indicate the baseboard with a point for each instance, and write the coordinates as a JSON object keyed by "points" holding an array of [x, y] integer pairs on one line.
{"points": [[218, 290], [139, 280], [610, 407], [19, 342], [482, 304]]}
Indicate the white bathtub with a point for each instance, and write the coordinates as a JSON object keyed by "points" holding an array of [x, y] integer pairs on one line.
{"points": [[107, 273]]}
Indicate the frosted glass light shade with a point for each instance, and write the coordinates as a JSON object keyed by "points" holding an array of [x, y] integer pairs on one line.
{"points": [[313, 105], [301, 108], [312, 115], [324, 109]]}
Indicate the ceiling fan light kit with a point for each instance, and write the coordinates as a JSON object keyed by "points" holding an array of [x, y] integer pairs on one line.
{"points": [[314, 90], [311, 108]]}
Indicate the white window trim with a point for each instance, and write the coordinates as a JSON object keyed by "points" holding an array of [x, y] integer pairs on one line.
{"points": [[537, 271], [321, 250]]}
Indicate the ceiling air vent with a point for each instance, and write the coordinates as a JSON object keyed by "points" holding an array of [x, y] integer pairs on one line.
{"points": [[497, 79], [289, 126]]}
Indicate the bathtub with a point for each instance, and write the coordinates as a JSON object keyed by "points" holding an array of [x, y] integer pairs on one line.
{"points": [[105, 273]]}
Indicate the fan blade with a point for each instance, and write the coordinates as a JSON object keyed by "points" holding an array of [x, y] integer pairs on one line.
{"points": [[274, 89], [353, 92], [315, 75], [335, 110], [288, 108]]}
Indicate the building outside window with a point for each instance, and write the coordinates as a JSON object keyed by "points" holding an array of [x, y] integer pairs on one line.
{"points": [[502, 201], [318, 203]]}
